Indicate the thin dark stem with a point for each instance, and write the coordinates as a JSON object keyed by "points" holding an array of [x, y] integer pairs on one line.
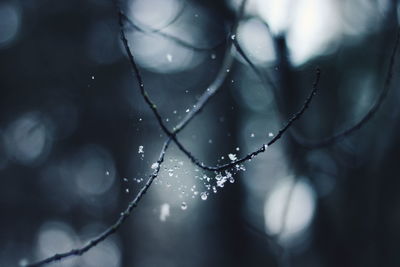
{"points": [[264, 147], [368, 116], [267, 80], [113, 228], [170, 37]]}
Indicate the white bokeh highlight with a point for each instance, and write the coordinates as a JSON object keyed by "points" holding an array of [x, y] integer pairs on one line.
{"points": [[299, 209]]}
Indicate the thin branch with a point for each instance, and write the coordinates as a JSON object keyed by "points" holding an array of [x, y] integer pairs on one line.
{"points": [[368, 116], [264, 147], [113, 228], [267, 80], [170, 37], [173, 20]]}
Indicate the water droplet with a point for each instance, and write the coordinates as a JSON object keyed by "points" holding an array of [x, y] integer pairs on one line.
{"points": [[233, 36], [171, 172], [183, 206], [140, 119], [214, 188], [175, 112], [125, 179], [237, 149], [228, 70], [107, 173], [203, 195], [213, 56], [169, 57], [154, 165], [265, 147], [232, 157], [127, 190], [252, 135], [210, 141], [92, 77], [187, 110]]}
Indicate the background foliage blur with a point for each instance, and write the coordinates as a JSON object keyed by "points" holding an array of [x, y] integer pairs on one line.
{"points": [[72, 123]]}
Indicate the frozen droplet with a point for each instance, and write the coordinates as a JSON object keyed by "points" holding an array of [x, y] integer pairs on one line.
{"points": [[232, 157], [187, 110], [213, 56], [92, 77], [154, 165], [167, 120], [233, 36], [270, 134], [169, 57], [214, 188], [170, 172], [140, 119], [221, 183], [237, 149], [203, 195], [127, 190], [252, 135], [265, 147], [228, 70], [183, 206], [125, 179], [175, 112], [107, 173]]}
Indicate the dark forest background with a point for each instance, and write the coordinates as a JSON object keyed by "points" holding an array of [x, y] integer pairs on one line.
{"points": [[77, 139]]}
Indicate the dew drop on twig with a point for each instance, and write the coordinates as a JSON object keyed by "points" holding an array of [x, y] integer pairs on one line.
{"points": [[154, 165]]}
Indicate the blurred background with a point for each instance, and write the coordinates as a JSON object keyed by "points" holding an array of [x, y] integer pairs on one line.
{"points": [[77, 140]]}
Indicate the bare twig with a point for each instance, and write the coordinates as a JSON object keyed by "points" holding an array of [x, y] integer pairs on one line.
{"points": [[113, 228], [370, 113], [264, 147], [170, 37]]}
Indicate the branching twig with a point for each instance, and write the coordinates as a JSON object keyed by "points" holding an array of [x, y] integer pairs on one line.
{"points": [[211, 91], [124, 215]]}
